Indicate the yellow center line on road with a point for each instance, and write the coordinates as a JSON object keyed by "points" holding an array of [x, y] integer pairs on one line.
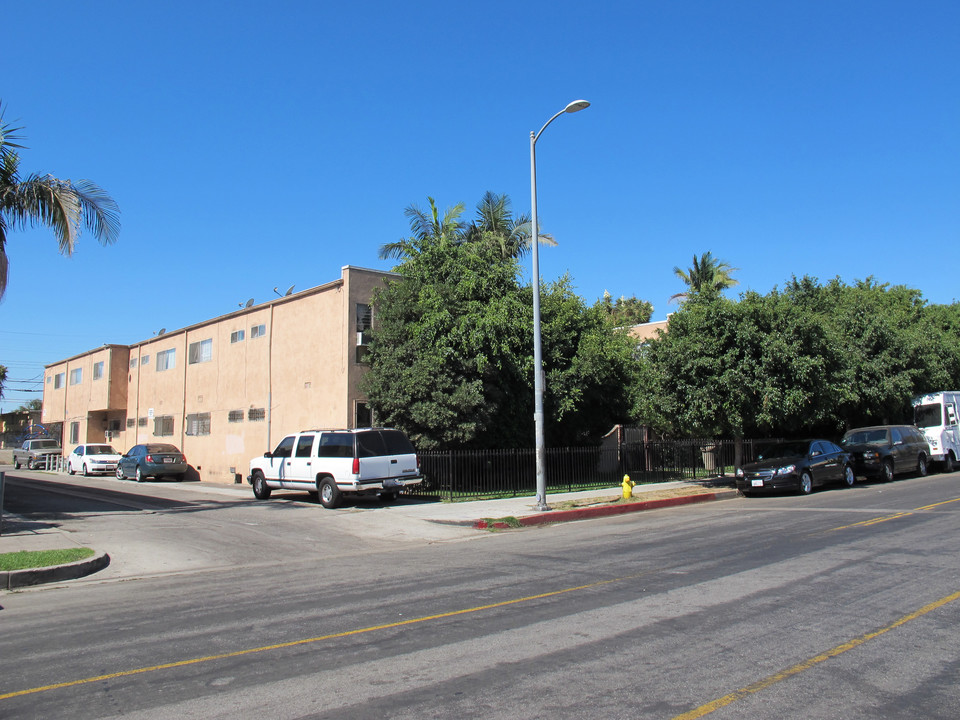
{"points": [[308, 641], [885, 518], [766, 682]]}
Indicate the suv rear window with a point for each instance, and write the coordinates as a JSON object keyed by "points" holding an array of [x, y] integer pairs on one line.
{"points": [[370, 444], [397, 443], [336, 445]]}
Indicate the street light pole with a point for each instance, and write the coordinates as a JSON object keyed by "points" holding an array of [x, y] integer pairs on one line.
{"points": [[541, 448]]}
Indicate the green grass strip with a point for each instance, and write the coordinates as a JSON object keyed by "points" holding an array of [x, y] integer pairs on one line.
{"points": [[25, 559]]}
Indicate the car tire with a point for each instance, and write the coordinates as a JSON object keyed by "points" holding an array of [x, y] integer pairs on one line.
{"points": [[330, 495], [70, 470], [389, 496], [849, 477], [261, 491], [120, 475], [16, 464], [140, 475], [948, 463], [29, 464], [886, 470], [806, 483], [921, 465], [85, 470]]}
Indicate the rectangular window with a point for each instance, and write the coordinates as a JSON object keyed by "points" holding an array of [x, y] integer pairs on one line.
{"points": [[49, 378], [363, 417], [258, 331], [141, 422], [133, 363], [364, 323], [76, 376], [131, 422], [236, 336], [256, 414], [235, 416], [198, 424], [74, 432], [98, 370], [58, 381], [166, 359], [200, 352], [163, 425], [145, 360]]}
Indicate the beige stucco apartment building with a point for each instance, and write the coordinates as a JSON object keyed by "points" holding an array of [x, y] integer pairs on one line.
{"points": [[226, 389]]}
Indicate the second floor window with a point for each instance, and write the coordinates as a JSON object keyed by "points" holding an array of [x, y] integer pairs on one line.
{"points": [[76, 376], [97, 370], [166, 359], [200, 352]]}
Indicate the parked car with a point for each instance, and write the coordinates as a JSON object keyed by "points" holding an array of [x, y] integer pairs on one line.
{"points": [[799, 465], [34, 453], [154, 460], [882, 451], [92, 458], [359, 461]]}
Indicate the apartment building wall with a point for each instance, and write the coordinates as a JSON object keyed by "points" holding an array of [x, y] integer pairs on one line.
{"points": [[83, 394], [230, 388]]}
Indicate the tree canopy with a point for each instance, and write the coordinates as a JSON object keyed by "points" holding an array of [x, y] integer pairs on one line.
{"points": [[451, 347]]}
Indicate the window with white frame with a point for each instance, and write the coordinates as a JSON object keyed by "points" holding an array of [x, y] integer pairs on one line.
{"points": [[145, 360], [98, 370], [76, 376], [237, 336], [133, 363], [200, 352], [166, 359], [258, 331], [74, 432], [58, 381], [198, 424]]}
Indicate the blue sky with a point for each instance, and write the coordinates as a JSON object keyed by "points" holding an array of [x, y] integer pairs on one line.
{"points": [[253, 145]]}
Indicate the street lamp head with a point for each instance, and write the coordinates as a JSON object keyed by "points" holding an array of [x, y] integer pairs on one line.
{"points": [[576, 105]]}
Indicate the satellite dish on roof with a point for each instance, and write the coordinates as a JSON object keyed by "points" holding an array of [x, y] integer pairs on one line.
{"points": [[161, 331], [249, 303], [289, 290]]}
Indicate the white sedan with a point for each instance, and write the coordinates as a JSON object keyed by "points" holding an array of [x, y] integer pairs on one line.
{"points": [[93, 458]]}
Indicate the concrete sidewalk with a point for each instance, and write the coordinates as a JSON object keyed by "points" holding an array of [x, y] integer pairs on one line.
{"points": [[21, 533]]}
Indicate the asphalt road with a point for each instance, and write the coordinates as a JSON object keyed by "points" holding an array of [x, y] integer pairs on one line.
{"points": [[842, 604]]}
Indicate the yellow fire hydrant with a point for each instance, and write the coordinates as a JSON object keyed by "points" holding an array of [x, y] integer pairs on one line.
{"points": [[627, 487]]}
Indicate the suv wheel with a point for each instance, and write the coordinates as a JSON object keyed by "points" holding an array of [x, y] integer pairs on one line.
{"points": [[261, 491], [16, 464], [330, 495], [948, 461], [886, 470]]}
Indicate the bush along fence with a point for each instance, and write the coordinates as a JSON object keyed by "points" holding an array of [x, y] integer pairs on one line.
{"points": [[460, 474]]}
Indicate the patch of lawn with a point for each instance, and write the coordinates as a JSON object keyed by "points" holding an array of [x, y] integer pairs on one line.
{"points": [[26, 559]]}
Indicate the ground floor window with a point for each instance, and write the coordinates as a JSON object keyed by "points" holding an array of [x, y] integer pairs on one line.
{"points": [[363, 415], [74, 432], [198, 424], [163, 425]]}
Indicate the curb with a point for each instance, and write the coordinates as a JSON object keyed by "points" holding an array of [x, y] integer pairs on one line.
{"points": [[13, 579], [589, 513]]}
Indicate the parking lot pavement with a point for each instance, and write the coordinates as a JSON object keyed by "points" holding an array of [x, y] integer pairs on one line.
{"points": [[408, 518]]}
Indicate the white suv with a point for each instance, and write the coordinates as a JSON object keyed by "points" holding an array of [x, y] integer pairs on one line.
{"points": [[361, 461]]}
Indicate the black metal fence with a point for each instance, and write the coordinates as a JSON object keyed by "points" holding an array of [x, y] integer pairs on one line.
{"points": [[458, 474]]}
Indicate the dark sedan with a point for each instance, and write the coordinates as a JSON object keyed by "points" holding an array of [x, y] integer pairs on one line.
{"points": [[799, 465], [154, 460]]}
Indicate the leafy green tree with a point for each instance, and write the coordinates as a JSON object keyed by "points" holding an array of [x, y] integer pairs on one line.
{"points": [[495, 224], [589, 366], [626, 311], [447, 348], [64, 206], [707, 275]]}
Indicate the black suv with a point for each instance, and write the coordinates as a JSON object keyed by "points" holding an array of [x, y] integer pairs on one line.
{"points": [[883, 451]]}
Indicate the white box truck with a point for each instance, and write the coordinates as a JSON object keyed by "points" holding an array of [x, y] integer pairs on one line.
{"points": [[935, 414]]}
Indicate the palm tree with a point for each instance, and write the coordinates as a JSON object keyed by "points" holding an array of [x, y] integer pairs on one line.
{"points": [[62, 205], [427, 229], [707, 275], [495, 224]]}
